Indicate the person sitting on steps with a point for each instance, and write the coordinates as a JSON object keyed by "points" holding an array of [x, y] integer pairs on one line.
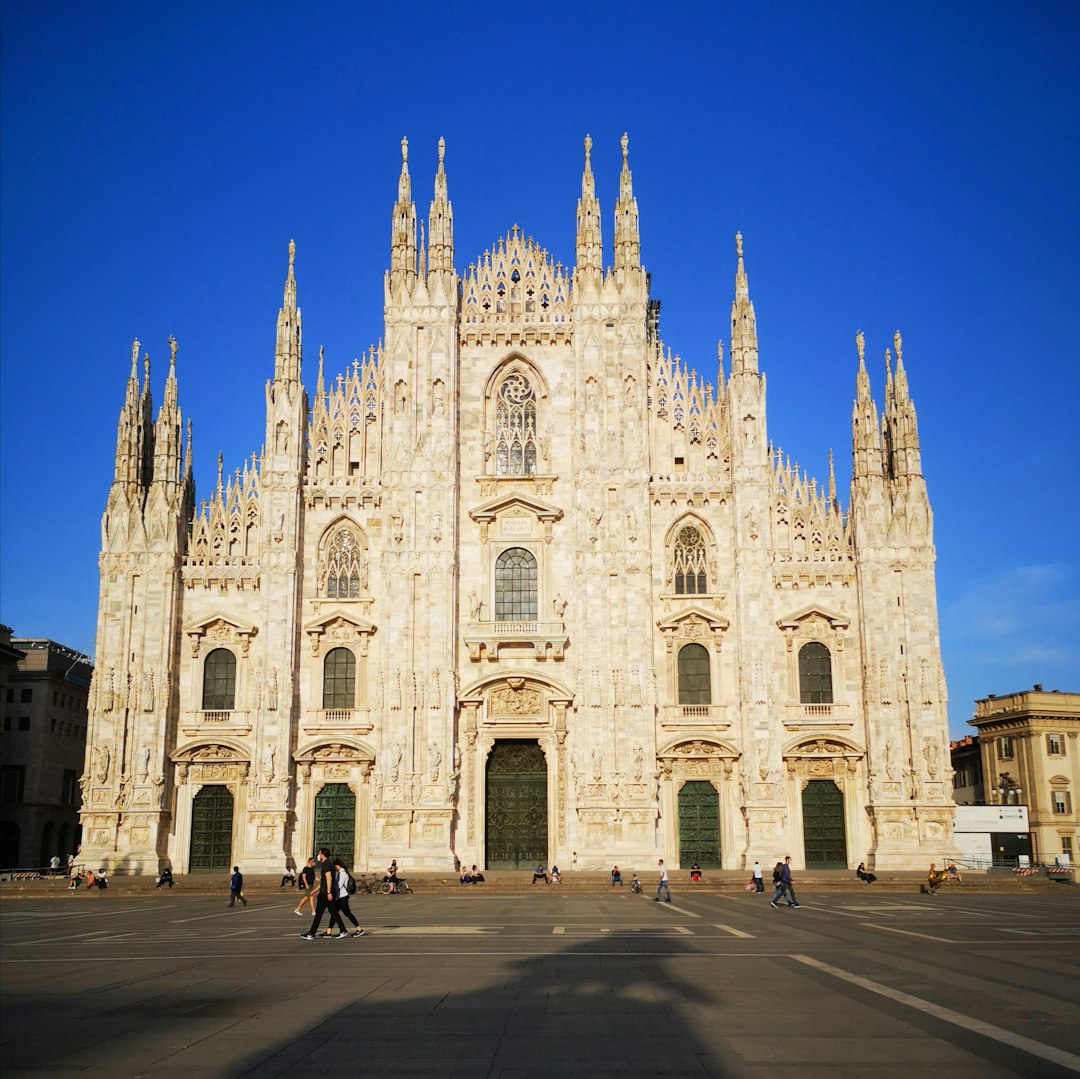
{"points": [[616, 877], [539, 873]]}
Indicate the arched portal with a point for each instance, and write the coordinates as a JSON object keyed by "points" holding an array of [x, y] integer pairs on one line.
{"points": [[335, 821], [211, 830], [516, 804], [824, 834], [699, 825]]}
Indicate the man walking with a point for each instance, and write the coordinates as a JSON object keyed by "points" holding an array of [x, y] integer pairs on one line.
{"points": [[236, 888], [759, 880], [662, 885], [327, 897], [307, 889], [786, 885]]}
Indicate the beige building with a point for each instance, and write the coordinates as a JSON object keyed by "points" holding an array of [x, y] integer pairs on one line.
{"points": [[518, 585], [1028, 744]]}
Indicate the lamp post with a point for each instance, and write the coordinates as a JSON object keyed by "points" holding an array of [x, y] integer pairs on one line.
{"points": [[1008, 790]]}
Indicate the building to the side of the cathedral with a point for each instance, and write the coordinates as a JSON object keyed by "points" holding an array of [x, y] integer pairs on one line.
{"points": [[517, 586]]}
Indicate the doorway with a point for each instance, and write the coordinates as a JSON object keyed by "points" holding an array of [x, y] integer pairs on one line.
{"points": [[516, 805], [699, 825], [211, 830], [824, 834]]}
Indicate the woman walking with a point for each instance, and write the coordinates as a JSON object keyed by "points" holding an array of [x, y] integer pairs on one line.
{"points": [[343, 876]]}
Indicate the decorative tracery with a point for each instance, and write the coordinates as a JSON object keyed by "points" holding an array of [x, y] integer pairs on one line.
{"points": [[690, 563], [345, 563], [515, 427]]}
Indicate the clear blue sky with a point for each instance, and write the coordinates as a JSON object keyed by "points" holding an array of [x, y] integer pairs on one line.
{"points": [[907, 166]]}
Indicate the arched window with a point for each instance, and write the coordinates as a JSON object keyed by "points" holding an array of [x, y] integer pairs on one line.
{"points": [[339, 679], [219, 681], [515, 427], [690, 578], [345, 564], [815, 674], [515, 586], [695, 685]]}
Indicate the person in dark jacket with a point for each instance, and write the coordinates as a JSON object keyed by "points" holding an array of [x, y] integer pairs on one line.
{"points": [[236, 888]]}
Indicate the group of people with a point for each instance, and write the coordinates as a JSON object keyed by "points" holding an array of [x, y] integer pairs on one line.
{"points": [[99, 880], [552, 876], [326, 881], [471, 876]]}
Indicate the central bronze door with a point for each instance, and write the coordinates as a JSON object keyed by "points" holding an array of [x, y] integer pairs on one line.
{"points": [[824, 835], [699, 825], [211, 830], [335, 822], [516, 805]]}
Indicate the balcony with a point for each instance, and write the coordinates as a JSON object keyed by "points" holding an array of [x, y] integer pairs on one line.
{"points": [[485, 639], [222, 721], [811, 716], [695, 716], [355, 720]]}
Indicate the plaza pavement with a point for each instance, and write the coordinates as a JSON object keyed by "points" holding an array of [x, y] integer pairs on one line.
{"points": [[545, 982]]}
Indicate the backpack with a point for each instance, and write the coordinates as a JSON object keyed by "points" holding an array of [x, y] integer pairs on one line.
{"points": [[350, 883]]}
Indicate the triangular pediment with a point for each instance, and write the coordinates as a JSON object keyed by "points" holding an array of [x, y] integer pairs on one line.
{"points": [[220, 619], [515, 502], [814, 612], [337, 616], [695, 612]]}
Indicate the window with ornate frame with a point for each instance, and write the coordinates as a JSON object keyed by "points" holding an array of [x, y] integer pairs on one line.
{"points": [[695, 679], [339, 679], [1005, 747], [1055, 745], [219, 681], [815, 674], [1060, 802], [516, 586], [515, 435], [688, 553], [344, 563]]}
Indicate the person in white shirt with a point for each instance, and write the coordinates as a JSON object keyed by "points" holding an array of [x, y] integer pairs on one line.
{"points": [[663, 883], [341, 877], [759, 880]]}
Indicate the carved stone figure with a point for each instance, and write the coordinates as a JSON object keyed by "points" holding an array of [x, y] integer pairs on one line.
{"points": [[434, 762]]}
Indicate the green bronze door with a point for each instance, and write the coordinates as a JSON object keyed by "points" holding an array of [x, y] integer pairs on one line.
{"points": [[824, 837], [211, 830], [516, 804], [699, 825], [335, 821]]}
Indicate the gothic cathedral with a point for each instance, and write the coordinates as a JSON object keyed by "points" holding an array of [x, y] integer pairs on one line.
{"points": [[517, 586]]}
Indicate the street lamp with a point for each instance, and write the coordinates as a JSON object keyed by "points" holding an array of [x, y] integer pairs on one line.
{"points": [[1008, 790]]}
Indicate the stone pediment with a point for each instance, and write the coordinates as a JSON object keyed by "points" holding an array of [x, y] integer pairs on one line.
{"points": [[339, 626], [223, 629], [694, 614], [205, 752], [334, 751], [514, 502], [811, 614]]}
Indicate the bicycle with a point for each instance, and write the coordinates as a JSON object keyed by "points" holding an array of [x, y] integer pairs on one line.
{"points": [[367, 883], [401, 889]]}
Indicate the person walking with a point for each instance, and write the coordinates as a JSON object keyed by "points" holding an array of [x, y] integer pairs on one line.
{"points": [[343, 877], [326, 900], [778, 883], [306, 884], [662, 884], [236, 887], [759, 880], [787, 884]]}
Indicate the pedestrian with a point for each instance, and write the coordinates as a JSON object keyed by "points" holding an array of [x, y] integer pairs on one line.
{"points": [[344, 878], [662, 884], [70, 863], [327, 896], [288, 877], [165, 877], [759, 880], [778, 883], [306, 884], [54, 865], [786, 884], [236, 887]]}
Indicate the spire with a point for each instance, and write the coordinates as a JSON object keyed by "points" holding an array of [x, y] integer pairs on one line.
{"points": [[627, 240], [589, 245], [833, 504], [866, 460], [744, 353], [287, 354], [900, 423], [320, 388], [403, 225], [146, 427], [167, 428], [126, 467], [440, 222]]}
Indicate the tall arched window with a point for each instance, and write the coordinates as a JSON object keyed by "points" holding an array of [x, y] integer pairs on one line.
{"points": [[515, 586], [219, 681], [515, 427], [339, 679], [690, 578], [345, 564], [695, 683], [815, 674]]}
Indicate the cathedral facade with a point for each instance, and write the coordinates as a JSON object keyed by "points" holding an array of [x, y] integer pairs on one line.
{"points": [[517, 586]]}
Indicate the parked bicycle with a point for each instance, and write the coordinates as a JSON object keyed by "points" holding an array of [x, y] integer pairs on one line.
{"points": [[397, 887], [368, 883]]}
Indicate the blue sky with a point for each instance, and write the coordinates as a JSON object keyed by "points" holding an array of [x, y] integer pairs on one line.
{"points": [[890, 166]]}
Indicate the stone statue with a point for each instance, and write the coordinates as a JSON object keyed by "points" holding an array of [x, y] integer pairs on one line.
{"points": [[434, 762], [269, 753], [144, 764], [559, 606], [104, 759], [475, 606]]}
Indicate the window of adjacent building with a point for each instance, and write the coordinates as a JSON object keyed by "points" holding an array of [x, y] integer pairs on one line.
{"points": [[10, 695], [515, 427], [815, 674], [1055, 745], [69, 789], [26, 695], [695, 686], [1061, 801], [24, 723], [1066, 846], [689, 554], [11, 783], [7, 723], [515, 586], [346, 564], [1005, 747], [219, 681], [339, 679]]}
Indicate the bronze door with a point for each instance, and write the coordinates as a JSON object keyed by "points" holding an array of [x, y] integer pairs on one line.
{"points": [[517, 825], [211, 830], [824, 835], [699, 825], [335, 821]]}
